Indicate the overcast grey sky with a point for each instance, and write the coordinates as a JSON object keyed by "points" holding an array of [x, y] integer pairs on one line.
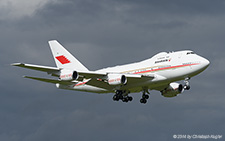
{"points": [[100, 34]]}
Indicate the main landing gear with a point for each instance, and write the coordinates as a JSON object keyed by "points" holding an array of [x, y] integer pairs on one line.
{"points": [[144, 97], [122, 95]]}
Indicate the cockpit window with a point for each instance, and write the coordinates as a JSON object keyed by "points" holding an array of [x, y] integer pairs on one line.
{"points": [[190, 53]]}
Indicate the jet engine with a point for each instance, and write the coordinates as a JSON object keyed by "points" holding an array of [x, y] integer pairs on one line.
{"points": [[68, 75], [116, 79], [172, 90]]}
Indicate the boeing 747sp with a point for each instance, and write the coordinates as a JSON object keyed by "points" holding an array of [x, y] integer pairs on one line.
{"points": [[157, 73]]}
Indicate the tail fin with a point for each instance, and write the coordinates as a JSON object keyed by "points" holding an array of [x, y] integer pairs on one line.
{"points": [[63, 58]]}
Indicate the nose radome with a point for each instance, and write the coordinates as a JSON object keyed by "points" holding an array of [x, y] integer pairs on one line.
{"points": [[205, 62]]}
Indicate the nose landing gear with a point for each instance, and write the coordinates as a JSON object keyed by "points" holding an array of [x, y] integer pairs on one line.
{"points": [[187, 84]]}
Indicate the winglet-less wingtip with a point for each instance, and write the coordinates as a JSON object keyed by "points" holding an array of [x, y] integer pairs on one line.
{"points": [[17, 64]]}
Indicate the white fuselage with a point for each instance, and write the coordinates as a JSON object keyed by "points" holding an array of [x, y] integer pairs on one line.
{"points": [[157, 73], [167, 67]]}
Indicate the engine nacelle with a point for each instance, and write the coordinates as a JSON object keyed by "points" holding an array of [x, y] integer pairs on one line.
{"points": [[116, 79], [68, 75], [172, 90]]}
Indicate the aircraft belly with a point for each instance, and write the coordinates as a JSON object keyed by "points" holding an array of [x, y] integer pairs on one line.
{"points": [[151, 85]]}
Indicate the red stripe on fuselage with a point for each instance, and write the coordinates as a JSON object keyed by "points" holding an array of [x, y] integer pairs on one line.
{"points": [[171, 67]]}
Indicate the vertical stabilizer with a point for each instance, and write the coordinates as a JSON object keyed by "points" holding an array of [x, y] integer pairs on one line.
{"points": [[63, 58]]}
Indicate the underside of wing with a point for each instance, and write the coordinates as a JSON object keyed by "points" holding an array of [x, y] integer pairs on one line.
{"points": [[53, 81], [104, 81], [161, 87], [99, 83]]}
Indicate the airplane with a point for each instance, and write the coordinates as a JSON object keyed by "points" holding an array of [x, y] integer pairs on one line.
{"points": [[159, 72]]}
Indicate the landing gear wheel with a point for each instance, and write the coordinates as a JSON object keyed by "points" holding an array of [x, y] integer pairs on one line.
{"points": [[145, 96], [130, 98], [116, 98], [187, 87], [122, 95], [143, 100], [125, 99]]}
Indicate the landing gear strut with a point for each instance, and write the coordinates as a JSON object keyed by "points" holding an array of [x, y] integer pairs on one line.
{"points": [[187, 84], [122, 95], [144, 97]]}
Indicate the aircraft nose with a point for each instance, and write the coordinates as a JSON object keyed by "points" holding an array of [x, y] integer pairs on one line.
{"points": [[205, 62]]}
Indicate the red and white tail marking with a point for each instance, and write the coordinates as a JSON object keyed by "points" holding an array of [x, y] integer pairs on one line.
{"points": [[62, 59]]}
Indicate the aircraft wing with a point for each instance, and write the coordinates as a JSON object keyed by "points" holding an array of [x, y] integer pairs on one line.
{"points": [[94, 81], [86, 74], [49, 70], [100, 79], [50, 80], [93, 74]]}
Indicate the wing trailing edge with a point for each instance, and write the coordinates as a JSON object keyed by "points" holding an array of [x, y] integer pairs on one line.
{"points": [[53, 81], [49, 70]]}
